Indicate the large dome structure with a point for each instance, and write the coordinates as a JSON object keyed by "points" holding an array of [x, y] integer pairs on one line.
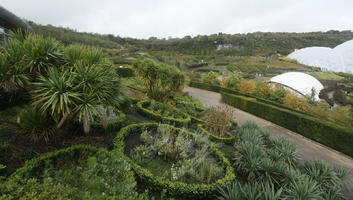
{"points": [[338, 59], [299, 82], [346, 51]]}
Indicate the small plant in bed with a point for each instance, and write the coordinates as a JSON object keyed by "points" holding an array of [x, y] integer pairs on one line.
{"points": [[218, 123]]}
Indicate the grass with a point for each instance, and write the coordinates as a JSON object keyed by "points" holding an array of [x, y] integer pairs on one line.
{"points": [[327, 76]]}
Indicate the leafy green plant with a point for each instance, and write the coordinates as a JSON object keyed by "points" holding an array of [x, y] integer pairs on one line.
{"points": [[211, 78]]}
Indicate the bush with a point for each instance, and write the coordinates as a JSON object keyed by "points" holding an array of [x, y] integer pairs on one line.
{"points": [[218, 120], [173, 188], [181, 120], [232, 82], [211, 78], [247, 86]]}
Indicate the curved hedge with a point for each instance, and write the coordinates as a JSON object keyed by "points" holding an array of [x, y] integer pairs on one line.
{"points": [[150, 114], [112, 125], [323, 131], [215, 138], [173, 188], [35, 167]]}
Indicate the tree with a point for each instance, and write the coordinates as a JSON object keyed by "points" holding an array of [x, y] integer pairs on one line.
{"points": [[160, 79]]}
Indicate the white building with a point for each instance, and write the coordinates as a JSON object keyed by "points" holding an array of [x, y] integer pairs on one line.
{"points": [[300, 83]]}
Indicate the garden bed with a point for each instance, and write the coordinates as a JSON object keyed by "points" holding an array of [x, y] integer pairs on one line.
{"points": [[78, 172], [163, 113], [127, 141]]}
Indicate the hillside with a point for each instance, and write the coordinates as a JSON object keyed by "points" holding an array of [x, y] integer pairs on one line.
{"points": [[251, 44]]}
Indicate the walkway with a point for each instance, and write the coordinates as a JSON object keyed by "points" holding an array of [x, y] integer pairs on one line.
{"points": [[307, 149]]}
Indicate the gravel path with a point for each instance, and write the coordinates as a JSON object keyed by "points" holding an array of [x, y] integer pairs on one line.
{"points": [[307, 149]]}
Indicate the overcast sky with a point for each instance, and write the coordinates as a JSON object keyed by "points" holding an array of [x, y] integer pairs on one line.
{"points": [[178, 18]]}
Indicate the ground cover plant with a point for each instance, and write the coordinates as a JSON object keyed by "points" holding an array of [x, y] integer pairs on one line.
{"points": [[268, 168]]}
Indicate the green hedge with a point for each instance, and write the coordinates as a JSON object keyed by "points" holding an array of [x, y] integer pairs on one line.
{"points": [[215, 138], [34, 168], [322, 131], [150, 114], [113, 125], [173, 188], [219, 89], [125, 72]]}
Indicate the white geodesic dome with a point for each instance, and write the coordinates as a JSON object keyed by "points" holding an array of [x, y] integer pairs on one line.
{"points": [[299, 82], [338, 59], [346, 51]]}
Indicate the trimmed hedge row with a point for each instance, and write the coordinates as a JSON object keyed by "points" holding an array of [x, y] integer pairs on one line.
{"points": [[322, 131], [113, 125], [125, 72], [34, 168], [219, 89], [173, 188], [215, 138], [150, 114]]}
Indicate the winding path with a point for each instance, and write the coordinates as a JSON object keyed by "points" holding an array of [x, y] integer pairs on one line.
{"points": [[308, 150]]}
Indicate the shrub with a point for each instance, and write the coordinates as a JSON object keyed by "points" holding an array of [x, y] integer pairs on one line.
{"points": [[247, 86], [232, 82], [277, 94], [211, 78], [218, 120]]}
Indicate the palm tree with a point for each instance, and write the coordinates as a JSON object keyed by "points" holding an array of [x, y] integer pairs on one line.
{"points": [[78, 88], [55, 94]]}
